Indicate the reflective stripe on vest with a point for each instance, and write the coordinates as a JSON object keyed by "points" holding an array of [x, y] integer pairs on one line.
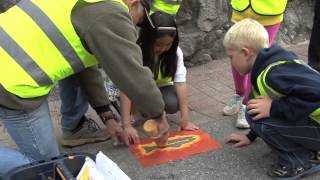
{"points": [[261, 7], [315, 116], [166, 6], [53, 33], [23, 59], [263, 87], [40, 45], [266, 90]]}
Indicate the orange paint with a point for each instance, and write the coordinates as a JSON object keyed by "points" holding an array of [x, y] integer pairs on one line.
{"points": [[174, 143], [180, 145]]}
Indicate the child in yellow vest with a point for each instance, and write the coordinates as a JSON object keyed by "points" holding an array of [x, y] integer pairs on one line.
{"points": [[165, 59], [284, 107], [270, 14]]}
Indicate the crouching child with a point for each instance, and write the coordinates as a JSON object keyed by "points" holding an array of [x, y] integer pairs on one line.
{"points": [[284, 108]]}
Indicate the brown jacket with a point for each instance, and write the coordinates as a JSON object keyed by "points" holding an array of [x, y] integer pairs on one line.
{"points": [[107, 31]]}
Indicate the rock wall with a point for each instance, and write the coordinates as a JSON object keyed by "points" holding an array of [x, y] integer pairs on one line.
{"points": [[203, 23]]}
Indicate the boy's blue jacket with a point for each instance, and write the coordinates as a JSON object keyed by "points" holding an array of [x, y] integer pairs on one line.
{"points": [[299, 84]]}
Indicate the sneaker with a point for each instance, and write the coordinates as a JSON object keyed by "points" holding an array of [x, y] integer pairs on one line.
{"points": [[315, 157], [242, 122], [233, 105], [280, 172], [87, 132]]}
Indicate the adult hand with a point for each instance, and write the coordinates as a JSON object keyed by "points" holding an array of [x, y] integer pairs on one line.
{"points": [[162, 140], [259, 107], [116, 132], [114, 128], [239, 139], [132, 134], [163, 128]]}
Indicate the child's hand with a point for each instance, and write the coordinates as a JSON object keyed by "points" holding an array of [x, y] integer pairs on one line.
{"points": [[189, 126], [259, 107], [240, 139]]}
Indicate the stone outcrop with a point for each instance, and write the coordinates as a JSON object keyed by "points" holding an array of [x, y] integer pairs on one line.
{"points": [[203, 23]]}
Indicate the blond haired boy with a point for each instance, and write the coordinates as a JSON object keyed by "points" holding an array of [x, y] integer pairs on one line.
{"points": [[284, 107]]}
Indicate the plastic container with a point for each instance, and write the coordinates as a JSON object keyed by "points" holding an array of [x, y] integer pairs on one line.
{"points": [[150, 128], [44, 170]]}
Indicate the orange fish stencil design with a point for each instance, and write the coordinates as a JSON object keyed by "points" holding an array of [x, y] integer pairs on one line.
{"points": [[175, 142], [180, 145]]}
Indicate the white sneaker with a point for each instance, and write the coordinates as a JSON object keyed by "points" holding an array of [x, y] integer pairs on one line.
{"points": [[242, 122], [233, 105]]}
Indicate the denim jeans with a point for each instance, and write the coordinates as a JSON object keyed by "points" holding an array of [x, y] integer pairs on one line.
{"points": [[291, 141], [31, 131], [11, 159], [74, 104]]}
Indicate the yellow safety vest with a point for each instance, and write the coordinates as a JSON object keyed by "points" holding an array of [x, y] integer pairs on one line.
{"points": [[160, 79], [163, 80], [265, 90], [262, 7], [39, 46], [166, 6]]}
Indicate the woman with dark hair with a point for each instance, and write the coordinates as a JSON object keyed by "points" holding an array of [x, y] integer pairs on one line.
{"points": [[159, 45]]}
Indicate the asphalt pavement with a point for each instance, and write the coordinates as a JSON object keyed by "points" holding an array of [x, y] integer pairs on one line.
{"points": [[210, 86]]}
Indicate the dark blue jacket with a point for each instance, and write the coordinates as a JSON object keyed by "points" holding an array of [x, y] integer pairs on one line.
{"points": [[299, 84]]}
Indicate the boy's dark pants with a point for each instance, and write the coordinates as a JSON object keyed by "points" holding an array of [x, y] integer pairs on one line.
{"points": [[314, 45], [292, 142]]}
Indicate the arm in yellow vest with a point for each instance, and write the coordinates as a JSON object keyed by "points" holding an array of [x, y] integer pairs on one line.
{"points": [[92, 84], [126, 108], [111, 37]]}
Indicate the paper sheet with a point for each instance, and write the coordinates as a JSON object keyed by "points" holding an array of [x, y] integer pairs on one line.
{"points": [[103, 169]]}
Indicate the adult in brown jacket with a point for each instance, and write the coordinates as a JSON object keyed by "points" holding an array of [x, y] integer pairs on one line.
{"points": [[106, 29]]}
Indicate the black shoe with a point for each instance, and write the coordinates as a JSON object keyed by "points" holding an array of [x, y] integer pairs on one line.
{"points": [[280, 172], [315, 157]]}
